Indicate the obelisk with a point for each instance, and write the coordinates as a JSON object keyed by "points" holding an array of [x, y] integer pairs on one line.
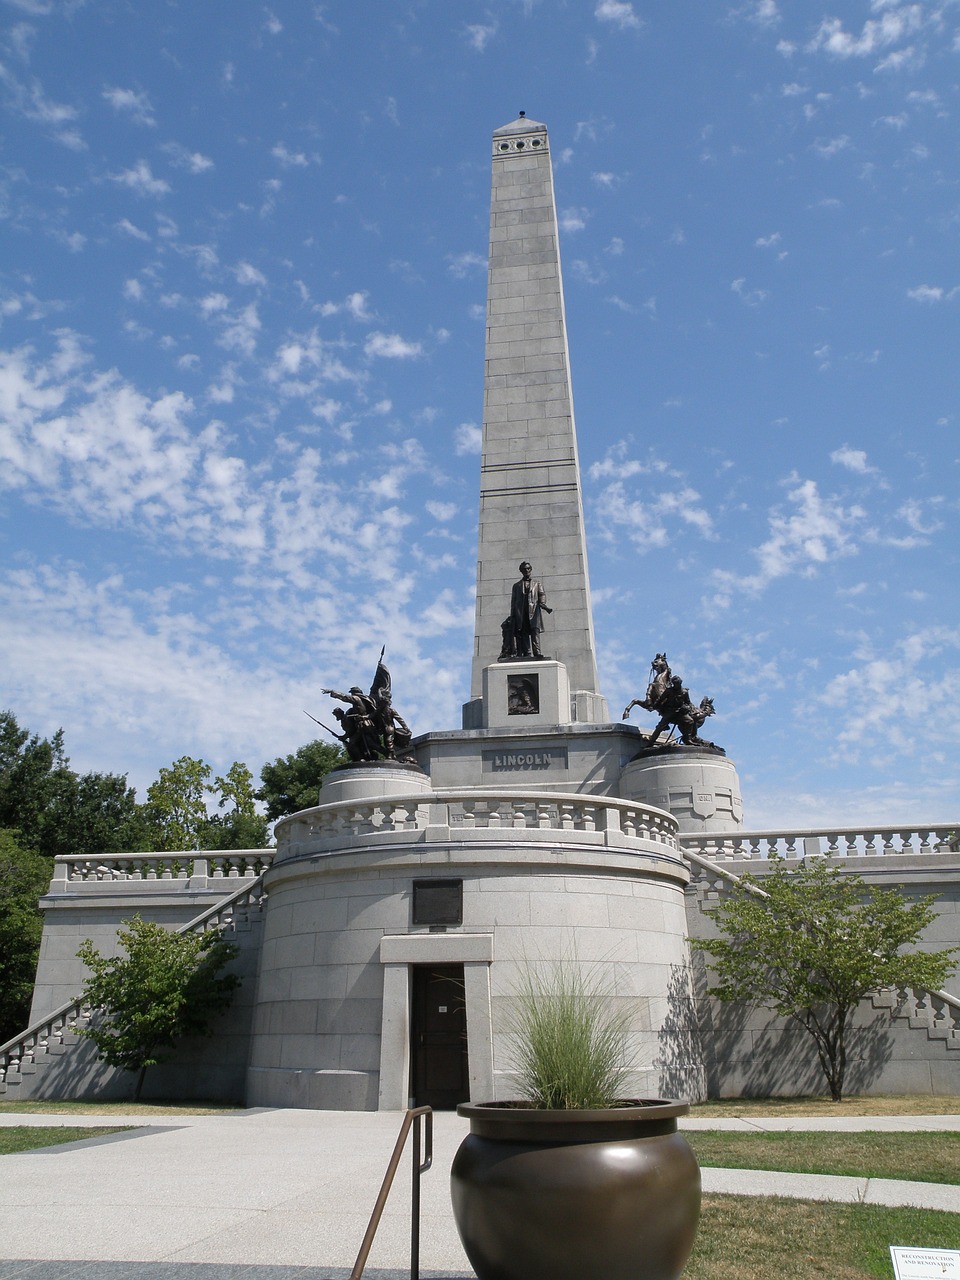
{"points": [[531, 506]]}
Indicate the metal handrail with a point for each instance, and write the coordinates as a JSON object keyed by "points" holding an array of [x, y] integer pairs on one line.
{"points": [[411, 1119]]}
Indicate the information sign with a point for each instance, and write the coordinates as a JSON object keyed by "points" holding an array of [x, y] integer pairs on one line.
{"points": [[925, 1264]]}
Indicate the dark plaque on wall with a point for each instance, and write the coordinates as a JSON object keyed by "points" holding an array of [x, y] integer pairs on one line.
{"points": [[523, 695], [438, 902]]}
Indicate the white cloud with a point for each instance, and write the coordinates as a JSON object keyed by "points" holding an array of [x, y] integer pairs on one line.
{"points": [[878, 33], [128, 228], [246, 273], [461, 264], [468, 438], [480, 34], [442, 511], [391, 346], [619, 13], [136, 105], [573, 219], [240, 329], [140, 179], [192, 161], [816, 531], [853, 460], [831, 146], [887, 698], [646, 521], [354, 304], [928, 293], [752, 297], [289, 159], [767, 242]]}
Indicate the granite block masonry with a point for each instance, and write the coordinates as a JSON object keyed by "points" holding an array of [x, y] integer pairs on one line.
{"points": [[530, 499]]}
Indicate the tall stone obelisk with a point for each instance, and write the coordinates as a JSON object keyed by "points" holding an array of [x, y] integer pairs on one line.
{"points": [[530, 500]]}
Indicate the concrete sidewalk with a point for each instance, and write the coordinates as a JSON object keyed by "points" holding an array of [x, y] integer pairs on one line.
{"points": [[278, 1195]]}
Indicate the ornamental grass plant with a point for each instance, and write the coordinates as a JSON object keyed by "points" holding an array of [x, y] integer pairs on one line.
{"points": [[568, 1040]]}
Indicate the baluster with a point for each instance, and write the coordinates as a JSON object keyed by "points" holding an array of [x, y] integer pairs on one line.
{"points": [[567, 815], [869, 848], [924, 837], [941, 1014], [629, 822], [906, 842], [791, 846], [546, 812], [469, 813], [833, 846], [217, 864], [589, 817], [887, 837]]}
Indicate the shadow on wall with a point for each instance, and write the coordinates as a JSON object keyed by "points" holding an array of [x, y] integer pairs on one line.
{"points": [[752, 1053], [680, 1058]]}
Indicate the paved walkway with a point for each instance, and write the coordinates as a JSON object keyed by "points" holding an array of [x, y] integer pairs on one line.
{"points": [[285, 1195]]}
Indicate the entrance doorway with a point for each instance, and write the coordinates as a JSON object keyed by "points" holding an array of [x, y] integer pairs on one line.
{"points": [[438, 1037]]}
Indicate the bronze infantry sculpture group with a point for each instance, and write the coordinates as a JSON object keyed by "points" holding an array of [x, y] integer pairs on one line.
{"points": [[372, 728]]}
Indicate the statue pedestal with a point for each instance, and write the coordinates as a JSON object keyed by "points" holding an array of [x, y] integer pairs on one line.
{"points": [[700, 788], [372, 779], [525, 693]]}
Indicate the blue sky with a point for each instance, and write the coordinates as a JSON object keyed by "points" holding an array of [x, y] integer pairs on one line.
{"points": [[242, 289]]}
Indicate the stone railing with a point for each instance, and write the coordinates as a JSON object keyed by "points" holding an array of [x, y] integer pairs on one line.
{"points": [[472, 814], [53, 1034], [936, 1012], [225, 864], [833, 842]]}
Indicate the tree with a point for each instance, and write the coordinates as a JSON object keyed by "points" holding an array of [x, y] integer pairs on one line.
{"points": [[24, 876], [175, 809], [815, 945], [166, 987], [55, 810], [240, 827], [292, 783], [177, 816]]}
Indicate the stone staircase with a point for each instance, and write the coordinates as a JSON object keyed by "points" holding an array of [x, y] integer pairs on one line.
{"points": [[935, 1012], [51, 1037]]}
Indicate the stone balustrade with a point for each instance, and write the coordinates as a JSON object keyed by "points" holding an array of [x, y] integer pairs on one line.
{"points": [[833, 842], [204, 865], [473, 814]]}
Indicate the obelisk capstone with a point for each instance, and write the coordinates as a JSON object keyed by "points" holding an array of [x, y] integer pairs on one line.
{"points": [[531, 506]]}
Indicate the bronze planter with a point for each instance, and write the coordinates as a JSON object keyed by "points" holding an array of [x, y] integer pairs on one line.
{"points": [[566, 1195]]}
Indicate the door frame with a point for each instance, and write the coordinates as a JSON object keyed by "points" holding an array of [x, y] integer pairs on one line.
{"points": [[397, 953]]}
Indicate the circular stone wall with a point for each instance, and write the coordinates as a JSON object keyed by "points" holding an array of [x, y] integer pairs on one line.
{"points": [[700, 788]]}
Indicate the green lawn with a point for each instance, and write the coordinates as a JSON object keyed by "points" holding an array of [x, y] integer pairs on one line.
{"points": [[24, 1137], [742, 1238], [917, 1157], [117, 1107], [887, 1105]]}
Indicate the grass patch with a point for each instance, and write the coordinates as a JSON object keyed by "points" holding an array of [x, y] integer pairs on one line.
{"points": [[23, 1137], [117, 1107], [917, 1157], [885, 1105], [805, 1240]]}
